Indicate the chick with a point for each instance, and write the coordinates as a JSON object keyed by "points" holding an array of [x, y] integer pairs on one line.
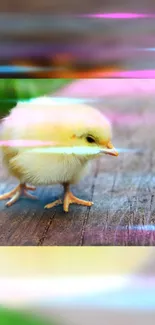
{"points": [[64, 125]]}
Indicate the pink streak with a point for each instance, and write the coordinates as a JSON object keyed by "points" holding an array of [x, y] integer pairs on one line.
{"points": [[117, 15], [25, 143], [100, 88], [134, 74]]}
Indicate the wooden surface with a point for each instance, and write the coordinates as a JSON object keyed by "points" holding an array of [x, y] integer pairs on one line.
{"points": [[122, 190]]}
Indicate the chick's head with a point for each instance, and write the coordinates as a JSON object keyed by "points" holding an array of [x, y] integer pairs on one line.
{"points": [[91, 129], [67, 125]]}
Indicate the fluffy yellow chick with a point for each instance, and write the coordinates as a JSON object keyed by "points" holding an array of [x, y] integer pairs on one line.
{"points": [[57, 126]]}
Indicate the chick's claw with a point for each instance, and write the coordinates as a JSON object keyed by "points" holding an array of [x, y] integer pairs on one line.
{"points": [[16, 193], [70, 198], [53, 204]]}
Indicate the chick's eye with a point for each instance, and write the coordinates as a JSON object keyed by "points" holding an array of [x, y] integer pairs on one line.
{"points": [[90, 139]]}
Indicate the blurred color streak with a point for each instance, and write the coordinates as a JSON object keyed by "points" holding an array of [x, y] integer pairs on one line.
{"points": [[91, 91], [56, 290], [113, 293], [117, 15], [69, 261], [105, 38], [152, 49], [146, 228], [26, 143], [59, 72], [53, 72], [10, 316], [52, 56], [100, 88], [132, 119], [81, 150], [24, 68], [53, 147], [126, 74], [60, 100], [129, 299], [135, 74], [44, 21]]}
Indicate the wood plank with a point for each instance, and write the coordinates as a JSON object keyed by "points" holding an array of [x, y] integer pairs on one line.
{"points": [[128, 200], [67, 229], [23, 223]]}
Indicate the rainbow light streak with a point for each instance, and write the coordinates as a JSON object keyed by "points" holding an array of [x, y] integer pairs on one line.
{"points": [[117, 15], [61, 150], [83, 150], [69, 150]]}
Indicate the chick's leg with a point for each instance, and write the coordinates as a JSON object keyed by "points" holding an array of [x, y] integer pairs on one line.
{"points": [[69, 198], [17, 192]]}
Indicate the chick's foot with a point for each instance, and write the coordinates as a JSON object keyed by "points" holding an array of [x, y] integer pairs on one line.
{"points": [[16, 193], [69, 198]]}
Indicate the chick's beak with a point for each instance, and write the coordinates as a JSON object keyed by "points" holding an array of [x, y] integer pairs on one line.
{"points": [[110, 150], [113, 152]]}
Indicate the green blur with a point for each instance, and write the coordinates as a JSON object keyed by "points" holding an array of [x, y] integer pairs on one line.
{"points": [[12, 90], [13, 317]]}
